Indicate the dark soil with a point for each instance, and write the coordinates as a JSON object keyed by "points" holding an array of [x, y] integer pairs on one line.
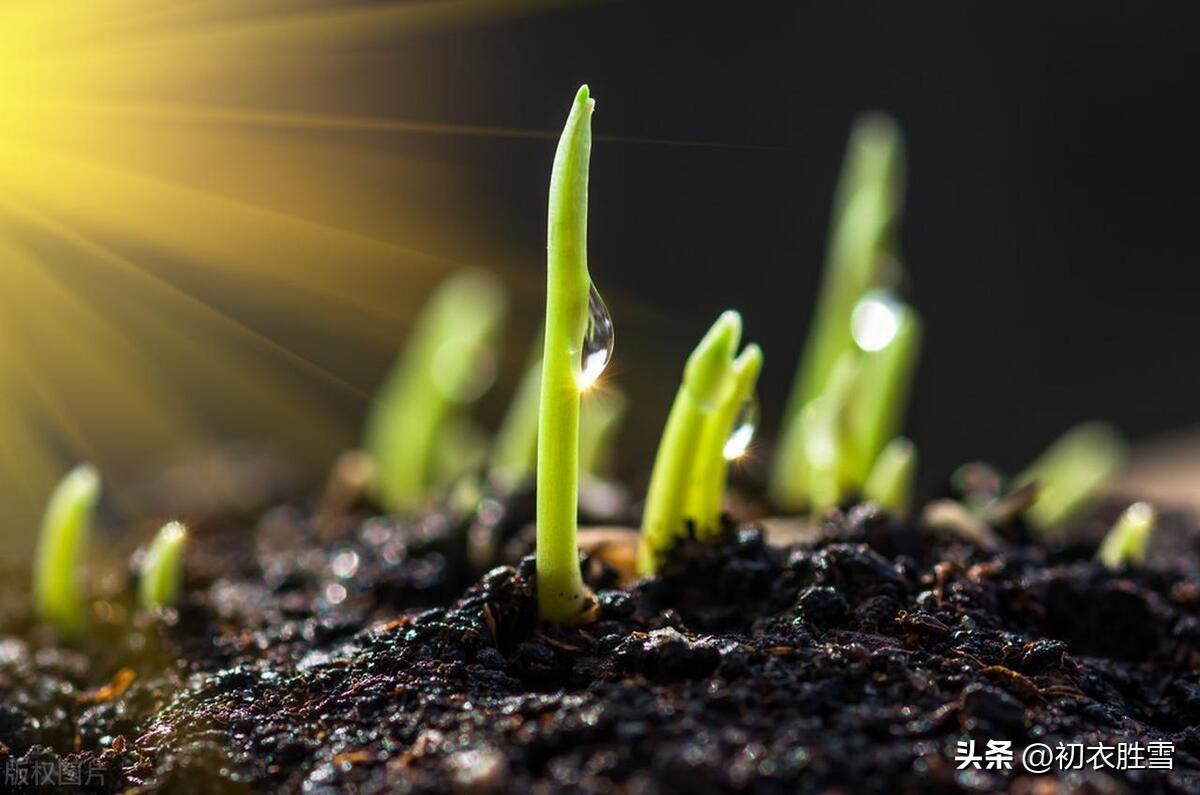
{"points": [[371, 659]]}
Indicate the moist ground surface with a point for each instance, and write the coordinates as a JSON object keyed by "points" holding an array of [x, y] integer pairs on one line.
{"points": [[851, 659]]}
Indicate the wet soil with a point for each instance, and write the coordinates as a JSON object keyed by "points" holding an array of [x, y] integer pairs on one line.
{"points": [[851, 658]]}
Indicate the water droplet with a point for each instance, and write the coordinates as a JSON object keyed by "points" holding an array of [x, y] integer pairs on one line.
{"points": [[744, 428], [597, 341], [875, 320]]}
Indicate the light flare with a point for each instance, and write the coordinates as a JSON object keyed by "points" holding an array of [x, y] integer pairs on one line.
{"points": [[192, 231]]}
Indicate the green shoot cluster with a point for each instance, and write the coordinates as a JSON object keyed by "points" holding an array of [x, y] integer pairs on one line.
{"points": [[840, 435], [1071, 474], [1126, 543], [418, 432], [561, 593], [852, 386], [59, 587], [161, 580], [690, 467]]}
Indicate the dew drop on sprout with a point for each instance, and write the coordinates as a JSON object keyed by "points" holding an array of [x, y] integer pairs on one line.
{"points": [[597, 341], [875, 320], [744, 428]]}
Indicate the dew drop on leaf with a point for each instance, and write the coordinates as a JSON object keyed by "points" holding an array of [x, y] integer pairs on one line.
{"points": [[744, 428], [597, 341], [875, 320]]}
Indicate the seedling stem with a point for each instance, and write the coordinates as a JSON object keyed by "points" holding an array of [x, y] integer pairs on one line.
{"points": [[561, 593]]}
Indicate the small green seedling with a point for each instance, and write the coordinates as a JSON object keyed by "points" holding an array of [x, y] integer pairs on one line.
{"points": [[566, 372], [448, 363], [1071, 473], [722, 440], [861, 258], [892, 481], [161, 580], [599, 420], [706, 377], [514, 456], [59, 588], [1127, 541]]}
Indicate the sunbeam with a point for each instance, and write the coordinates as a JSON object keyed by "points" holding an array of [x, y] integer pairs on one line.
{"points": [[172, 249]]}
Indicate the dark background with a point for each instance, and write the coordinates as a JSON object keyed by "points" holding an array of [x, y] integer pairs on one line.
{"points": [[1049, 230]]}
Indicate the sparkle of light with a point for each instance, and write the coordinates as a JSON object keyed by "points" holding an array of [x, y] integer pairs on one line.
{"points": [[875, 321]]}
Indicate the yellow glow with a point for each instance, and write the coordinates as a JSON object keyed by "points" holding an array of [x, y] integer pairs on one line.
{"points": [[193, 232]]}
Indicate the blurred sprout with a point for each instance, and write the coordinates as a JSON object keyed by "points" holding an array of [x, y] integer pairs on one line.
{"points": [[881, 394], [514, 455], [723, 438], [861, 258], [1071, 474], [600, 420], [59, 587], [823, 427], [161, 581], [562, 596], [461, 453], [893, 478], [448, 362], [1129, 538], [706, 378]]}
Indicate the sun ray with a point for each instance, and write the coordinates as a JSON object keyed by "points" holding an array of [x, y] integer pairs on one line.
{"points": [[193, 233], [172, 299]]}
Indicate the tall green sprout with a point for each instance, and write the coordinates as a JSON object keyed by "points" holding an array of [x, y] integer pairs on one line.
{"points": [[706, 376], [161, 580], [562, 596], [447, 363], [861, 258], [59, 587]]}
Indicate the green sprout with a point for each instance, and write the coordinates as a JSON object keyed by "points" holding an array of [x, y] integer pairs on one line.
{"points": [[514, 455], [1129, 538], [58, 583], [706, 378], [893, 478], [1071, 473], [881, 394], [161, 580], [722, 440], [861, 258], [599, 420], [823, 428], [447, 364], [562, 596]]}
